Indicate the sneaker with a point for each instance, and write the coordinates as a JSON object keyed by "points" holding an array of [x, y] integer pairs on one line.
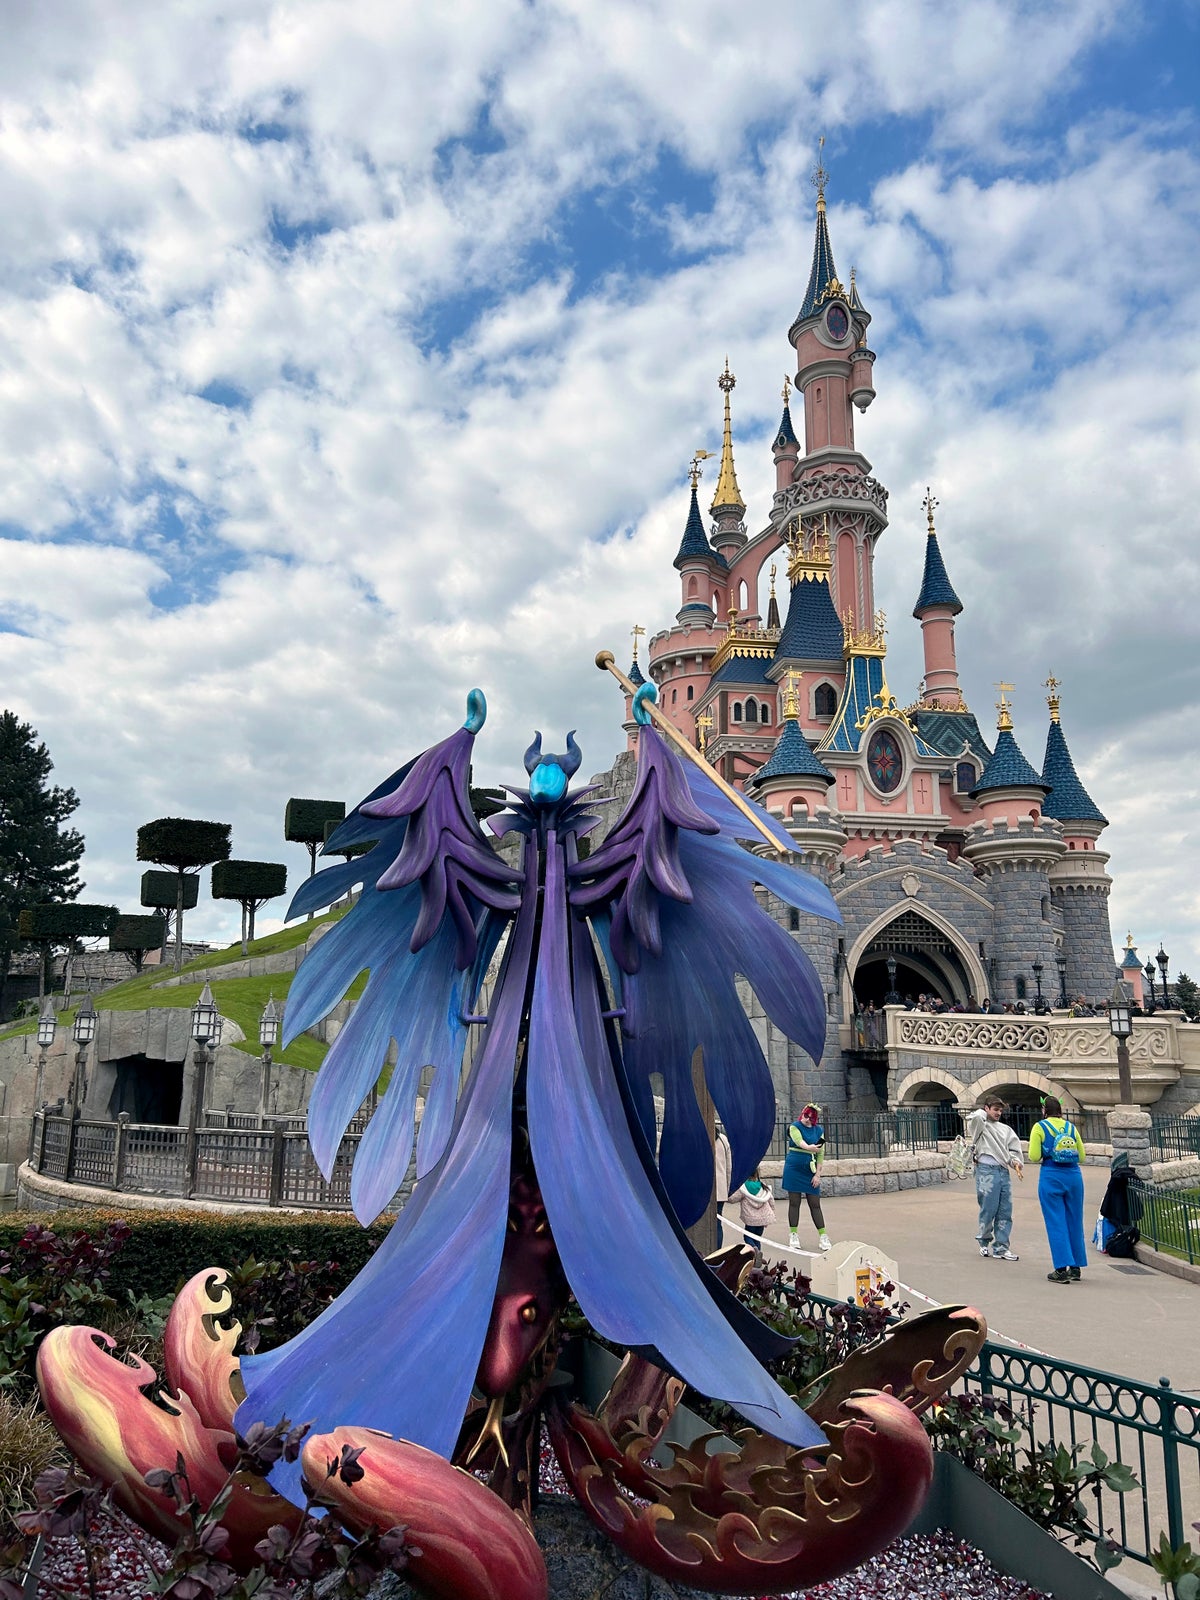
{"points": [[823, 1241], [1004, 1255], [1059, 1275], [1074, 1274], [985, 1249], [794, 1240]]}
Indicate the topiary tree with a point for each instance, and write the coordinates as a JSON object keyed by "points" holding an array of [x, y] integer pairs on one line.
{"points": [[252, 884], [54, 926], [134, 935], [348, 852], [187, 845], [304, 823], [160, 890]]}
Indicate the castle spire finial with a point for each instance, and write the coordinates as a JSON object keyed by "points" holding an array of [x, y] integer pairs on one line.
{"points": [[930, 504], [1004, 720], [819, 176], [1052, 699], [787, 389], [637, 631], [791, 702], [728, 495], [695, 473]]}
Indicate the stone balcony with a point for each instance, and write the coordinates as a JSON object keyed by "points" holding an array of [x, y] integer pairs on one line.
{"points": [[970, 1053]]}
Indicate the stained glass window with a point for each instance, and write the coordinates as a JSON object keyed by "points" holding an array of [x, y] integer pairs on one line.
{"points": [[885, 760]]}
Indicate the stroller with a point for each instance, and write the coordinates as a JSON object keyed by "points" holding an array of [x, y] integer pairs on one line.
{"points": [[1120, 1211]]}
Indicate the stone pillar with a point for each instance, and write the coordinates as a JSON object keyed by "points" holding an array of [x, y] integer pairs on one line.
{"points": [[1129, 1132]]}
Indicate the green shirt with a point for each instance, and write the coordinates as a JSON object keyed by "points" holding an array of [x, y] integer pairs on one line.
{"points": [[1058, 1124]]}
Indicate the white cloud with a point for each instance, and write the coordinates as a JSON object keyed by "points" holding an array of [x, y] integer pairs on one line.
{"points": [[447, 465]]}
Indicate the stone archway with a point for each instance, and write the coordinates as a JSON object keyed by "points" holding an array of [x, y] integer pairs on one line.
{"points": [[925, 1078], [930, 955]]}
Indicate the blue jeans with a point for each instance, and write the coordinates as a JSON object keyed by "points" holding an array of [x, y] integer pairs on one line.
{"points": [[993, 1190]]}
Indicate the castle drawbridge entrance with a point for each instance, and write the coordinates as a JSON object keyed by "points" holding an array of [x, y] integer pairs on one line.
{"points": [[927, 962]]}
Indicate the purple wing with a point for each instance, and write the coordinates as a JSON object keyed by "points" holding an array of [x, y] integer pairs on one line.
{"points": [[622, 1258]]}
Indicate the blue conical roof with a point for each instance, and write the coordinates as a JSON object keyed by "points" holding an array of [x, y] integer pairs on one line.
{"points": [[823, 270], [694, 541], [1008, 768], [635, 674], [792, 757], [786, 434], [812, 631], [1068, 800], [936, 589]]}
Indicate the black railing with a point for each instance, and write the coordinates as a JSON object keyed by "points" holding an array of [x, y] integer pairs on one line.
{"points": [[872, 1136], [1174, 1138], [1170, 1220], [269, 1166], [1152, 1428]]}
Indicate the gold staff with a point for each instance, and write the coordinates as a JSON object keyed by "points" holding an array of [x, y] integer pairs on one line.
{"points": [[606, 661]]}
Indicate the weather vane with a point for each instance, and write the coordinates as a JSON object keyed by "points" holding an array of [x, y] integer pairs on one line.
{"points": [[637, 631], [930, 504], [819, 176], [694, 471]]}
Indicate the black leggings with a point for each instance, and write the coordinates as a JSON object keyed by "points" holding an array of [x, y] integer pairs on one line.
{"points": [[814, 1210]]}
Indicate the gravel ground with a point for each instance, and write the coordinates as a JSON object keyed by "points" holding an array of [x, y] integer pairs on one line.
{"points": [[922, 1567]]}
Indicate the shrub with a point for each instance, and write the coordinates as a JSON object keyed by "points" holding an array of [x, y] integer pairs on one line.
{"points": [[166, 1247], [48, 1278], [60, 924], [162, 888], [304, 820]]}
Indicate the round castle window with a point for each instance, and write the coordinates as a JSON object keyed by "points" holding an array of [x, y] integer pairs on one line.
{"points": [[885, 760]]}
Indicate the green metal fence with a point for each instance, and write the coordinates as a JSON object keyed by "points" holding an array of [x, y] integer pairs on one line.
{"points": [[1152, 1428], [1174, 1138], [1170, 1220], [872, 1136]]}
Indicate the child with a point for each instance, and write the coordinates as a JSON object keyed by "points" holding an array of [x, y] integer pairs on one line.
{"points": [[757, 1206]]}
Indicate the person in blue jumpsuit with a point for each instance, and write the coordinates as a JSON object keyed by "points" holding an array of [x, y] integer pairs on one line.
{"points": [[1055, 1144], [802, 1173]]}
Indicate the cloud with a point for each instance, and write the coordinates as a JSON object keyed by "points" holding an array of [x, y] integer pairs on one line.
{"points": [[350, 358]]}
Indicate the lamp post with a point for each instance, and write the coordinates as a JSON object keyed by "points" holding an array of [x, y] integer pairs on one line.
{"points": [[1037, 969], [45, 1038], [268, 1036], [1060, 961], [892, 997], [1150, 977], [206, 1031], [1164, 961], [83, 1031], [1120, 1022]]}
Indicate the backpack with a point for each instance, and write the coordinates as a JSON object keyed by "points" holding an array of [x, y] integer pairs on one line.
{"points": [[1122, 1243], [1059, 1148]]}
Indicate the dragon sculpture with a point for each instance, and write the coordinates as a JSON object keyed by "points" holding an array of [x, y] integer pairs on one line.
{"points": [[537, 1180]]}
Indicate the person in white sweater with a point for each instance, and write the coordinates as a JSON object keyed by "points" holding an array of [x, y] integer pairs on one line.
{"points": [[996, 1152], [756, 1206]]}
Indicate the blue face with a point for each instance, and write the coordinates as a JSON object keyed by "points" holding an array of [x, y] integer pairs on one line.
{"points": [[547, 783]]}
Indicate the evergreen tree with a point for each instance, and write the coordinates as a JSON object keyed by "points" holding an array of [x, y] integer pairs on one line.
{"points": [[39, 856], [1187, 996]]}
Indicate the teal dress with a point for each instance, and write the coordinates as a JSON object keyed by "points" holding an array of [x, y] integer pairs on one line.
{"points": [[804, 1147]]}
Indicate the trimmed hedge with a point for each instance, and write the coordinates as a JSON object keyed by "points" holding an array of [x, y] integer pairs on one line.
{"points": [[184, 843], [169, 1247], [304, 820], [161, 888], [248, 880], [137, 933], [59, 924]]}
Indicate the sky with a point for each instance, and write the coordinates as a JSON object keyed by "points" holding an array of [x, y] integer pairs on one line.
{"points": [[351, 356]]}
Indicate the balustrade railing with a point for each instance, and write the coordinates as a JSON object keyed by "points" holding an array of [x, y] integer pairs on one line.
{"points": [[270, 1166], [979, 1035]]}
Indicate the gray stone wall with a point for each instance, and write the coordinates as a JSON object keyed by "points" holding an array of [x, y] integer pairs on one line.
{"points": [[1087, 940], [1021, 929]]}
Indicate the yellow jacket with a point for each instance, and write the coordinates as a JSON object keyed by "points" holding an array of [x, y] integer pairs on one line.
{"points": [[1058, 1124]]}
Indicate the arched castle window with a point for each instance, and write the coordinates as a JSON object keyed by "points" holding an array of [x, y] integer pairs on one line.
{"points": [[824, 700], [743, 595], [693, 587], [691, 690], [764, 712], [1021, 988], [964, 777], [751, 711], [737, 713], [674, 696]]}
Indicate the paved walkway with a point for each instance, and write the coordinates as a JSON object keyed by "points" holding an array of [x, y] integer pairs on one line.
{"points": [[1122, 1317]]}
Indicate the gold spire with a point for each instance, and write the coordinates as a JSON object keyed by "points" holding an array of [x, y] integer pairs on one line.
{"points": [[1129, 940], [820, 178], [637, 630], [694, 471], [791, 702], [1004, 707], [704, 724], [728, 493], [787, 389], [930, 505], [772, 580], [1054, 686]]}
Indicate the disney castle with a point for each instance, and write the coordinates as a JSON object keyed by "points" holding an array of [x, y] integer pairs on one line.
{"points": [[962, 871]]}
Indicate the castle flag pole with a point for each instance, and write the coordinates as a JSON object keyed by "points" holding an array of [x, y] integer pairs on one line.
{"points": [[606, 661]]}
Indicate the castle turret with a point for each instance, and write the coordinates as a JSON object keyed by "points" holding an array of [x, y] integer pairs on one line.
{"points": [[794, 782], [696, 561], [728, 507], [834, 375], [1014, 850], [1079, 882], [786, 446], [811, 641], [936, 608]]}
